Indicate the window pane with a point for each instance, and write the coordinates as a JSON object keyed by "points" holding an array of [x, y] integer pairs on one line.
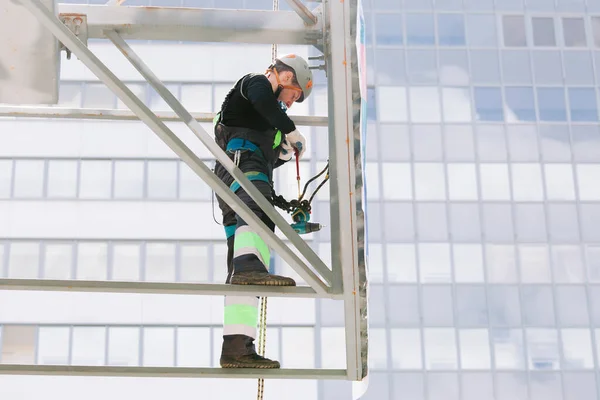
{"points": [[129, 179], [583, 104], [429, 181], [411, 385], [425, 104], [514, 31], [535, 264], [538, 309], [401, 254], [511, 386], [454, 67], [523, 142], [157, 103], [465, 222], [58, 260], [587, 179], [508, 348], [304, 356], [399, 224], [459, 142], [95, 179], [159, 347], [123, 346], [97, 95], [440, 349], [478, 386], [590, 222], [432, 222], [451, 30], [579, 68], [542, 346], [392, 102], [474, 349], [443, 386], [88, 346], [18, 344], [485, 67], [437, 306], [567, 264], [545, 385], [555, 142], [69, 94], [29, 178], [422, 66], [596, 30], [404, 306], [138, 89], [401, 174], [498, 223], [434, 262], [126, 262], [527, 182], [388, 29], [160, 262], [195, 264], [531, 222], [389, 73], [468, 263], [482, 30], [488, 104], [62, 178], [191, 186], [333, 348], [543, 31], [197, 97], [552, 104], [559, 181], [92, 259], [462, 182], [547, 68], [572, 306], [396, 136], [491, 143], [24, 260], [53, 345], [593, 261], [586, 142], [193, 347], [501, 263], [580, 385], [419, 29], [574, 32], [162, 179], [494, 182], [5, 178], [504, 305], [516, 67], [457, 105], [406, 349], [520, 103], [471, 306], [564, 226]]}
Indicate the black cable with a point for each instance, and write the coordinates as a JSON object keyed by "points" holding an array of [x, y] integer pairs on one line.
{"points": [[312, 179], [317, 189]]}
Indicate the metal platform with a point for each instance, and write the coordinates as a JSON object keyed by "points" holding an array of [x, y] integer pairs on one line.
{"points": [[171, 372], [336, 29]]}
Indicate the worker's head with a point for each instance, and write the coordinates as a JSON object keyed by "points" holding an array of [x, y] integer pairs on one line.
{"points": [[291, 78]]}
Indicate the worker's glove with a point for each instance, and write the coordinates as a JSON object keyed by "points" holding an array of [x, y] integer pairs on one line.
{"points": [[297, 141], [286, 152]]}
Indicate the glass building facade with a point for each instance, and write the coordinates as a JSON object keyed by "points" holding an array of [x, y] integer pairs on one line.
{"points": [[483, 171]]}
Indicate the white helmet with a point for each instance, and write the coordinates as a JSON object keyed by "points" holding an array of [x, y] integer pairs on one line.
{"points": [[303, 73]]}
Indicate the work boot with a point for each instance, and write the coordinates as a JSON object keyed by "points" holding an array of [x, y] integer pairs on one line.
{"points": [[239, 352], [262, 278]]}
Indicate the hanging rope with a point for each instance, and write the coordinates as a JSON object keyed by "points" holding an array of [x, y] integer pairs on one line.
{"points": [[262, 338]]}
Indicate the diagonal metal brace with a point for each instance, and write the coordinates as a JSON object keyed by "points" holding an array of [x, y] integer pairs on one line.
{"points": [[62, 33], [229, 165]]}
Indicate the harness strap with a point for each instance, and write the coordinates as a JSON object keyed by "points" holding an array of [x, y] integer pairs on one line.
{"points": [[252, 176]]}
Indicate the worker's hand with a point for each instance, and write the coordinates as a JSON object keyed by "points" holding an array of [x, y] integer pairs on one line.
{"points": [[286, 152], [297, 141]]}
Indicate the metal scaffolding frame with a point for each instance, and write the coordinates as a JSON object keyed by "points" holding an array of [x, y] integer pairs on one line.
{"points": [[347, 279]]}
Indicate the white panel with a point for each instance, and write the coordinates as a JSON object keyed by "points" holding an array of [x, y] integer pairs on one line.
{"points": [[114, 219], [29, 57]]}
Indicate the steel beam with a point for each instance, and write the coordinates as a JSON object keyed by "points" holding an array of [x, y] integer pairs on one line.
{"points": [[344, 146], [123, 115], [159, 288], [197, 24], [283, 225], [163, 132], [171, 372], [308, 17]]}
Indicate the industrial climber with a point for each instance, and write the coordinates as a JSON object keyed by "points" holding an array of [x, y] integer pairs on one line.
{"points": [[255, 131]]}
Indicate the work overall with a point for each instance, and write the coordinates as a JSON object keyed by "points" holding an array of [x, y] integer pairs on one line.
{"points": [[257, 154]]}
